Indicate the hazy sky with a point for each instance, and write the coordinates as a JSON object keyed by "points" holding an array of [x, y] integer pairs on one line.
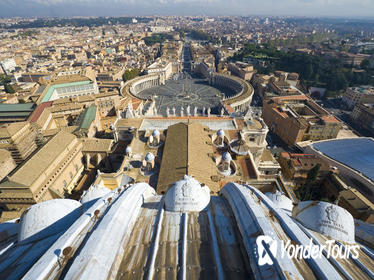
{"points": [[340, 8]]}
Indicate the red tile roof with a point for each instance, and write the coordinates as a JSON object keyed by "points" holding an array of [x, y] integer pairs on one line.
{"points": [[39, 110], [329, 119]]}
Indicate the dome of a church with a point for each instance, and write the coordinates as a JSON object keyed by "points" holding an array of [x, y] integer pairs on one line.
{"points": [[155, 133], [149, 157], [220, 133], [47, 218]]}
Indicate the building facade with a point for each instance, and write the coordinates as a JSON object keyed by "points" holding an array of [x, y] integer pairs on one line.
{"points": [[357, 95], [7, 163], [297, 118], [363, 115], [18, 138], [243, 71], [50, 173]]}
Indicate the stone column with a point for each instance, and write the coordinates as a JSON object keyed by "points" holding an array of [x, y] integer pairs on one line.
{"points": [[98, 159], [88, 158]]}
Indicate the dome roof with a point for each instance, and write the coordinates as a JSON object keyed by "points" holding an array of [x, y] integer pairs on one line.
{"points": [[220, 133], [149, 157], [187, 195], [47, 218], [226, 157], [128, 149], [155, 133], [326, 218], [239, 147], [94, 192], [280, 200]]}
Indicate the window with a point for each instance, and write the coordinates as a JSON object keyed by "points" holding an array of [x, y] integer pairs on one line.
{"points": [[65, 184], [71, 175]]}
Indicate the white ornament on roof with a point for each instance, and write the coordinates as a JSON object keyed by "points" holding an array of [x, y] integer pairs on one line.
{"points": [[226, 157], [326, 218], [149, 157], [220, 133], [187, 195]]}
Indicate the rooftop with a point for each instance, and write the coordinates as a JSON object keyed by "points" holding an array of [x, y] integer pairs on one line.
{"points": [[39, 110], [186, 152], [5, 155], [356, 153], [19, 107], [88, 117], [185, 234], [213, 123], [96, 145], [33, 169], [9, 129], [48, 94]]}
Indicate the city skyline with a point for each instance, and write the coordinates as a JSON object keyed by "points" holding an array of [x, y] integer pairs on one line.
{"points": [[63, 8]]}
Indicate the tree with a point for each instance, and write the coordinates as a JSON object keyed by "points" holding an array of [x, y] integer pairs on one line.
{"points": [[308, 191], [4, 79], [130, 74], [308, 72], [313, 174], [8, 88], [365, 64]]}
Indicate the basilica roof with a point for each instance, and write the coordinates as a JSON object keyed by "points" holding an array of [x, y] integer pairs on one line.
{"points": [[132, 232]]}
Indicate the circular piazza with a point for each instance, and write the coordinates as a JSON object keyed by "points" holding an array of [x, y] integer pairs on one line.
{"points": [[184, 90]]}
